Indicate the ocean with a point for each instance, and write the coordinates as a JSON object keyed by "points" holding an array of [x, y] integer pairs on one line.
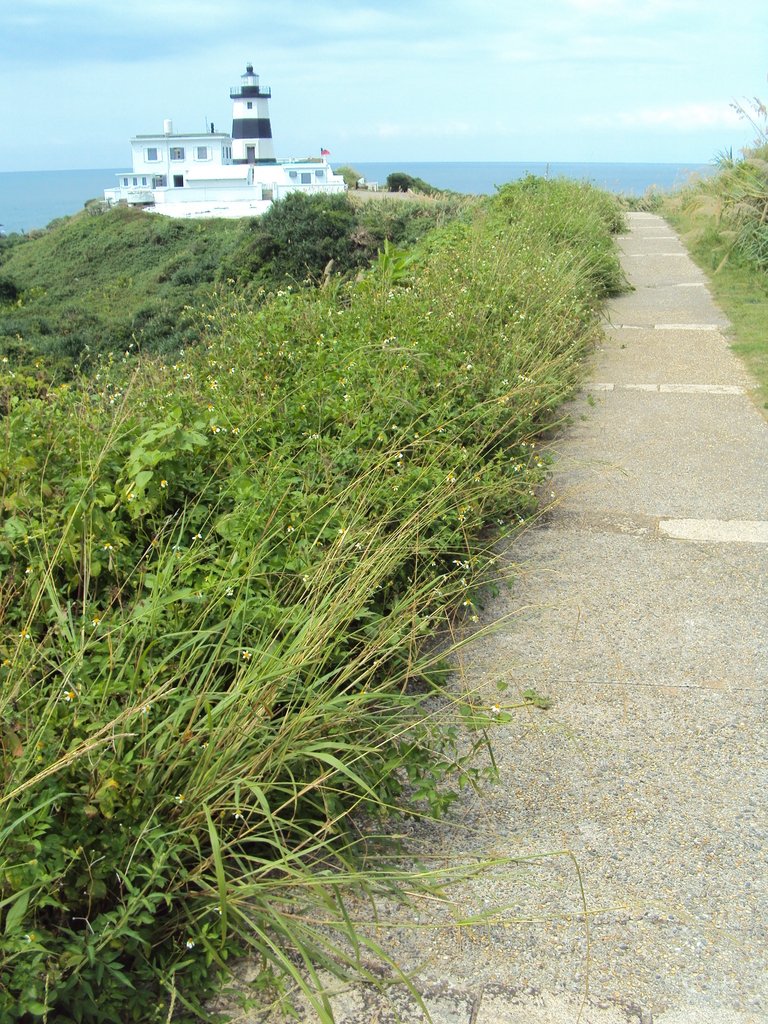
{"points": [[32, 199]]}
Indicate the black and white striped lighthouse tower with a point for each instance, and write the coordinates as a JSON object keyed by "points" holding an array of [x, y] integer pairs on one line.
{"points": [[251, 127]]}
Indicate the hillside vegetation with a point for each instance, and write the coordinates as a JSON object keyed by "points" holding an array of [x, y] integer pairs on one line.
{"points": [[224, 574], [125, 279]]}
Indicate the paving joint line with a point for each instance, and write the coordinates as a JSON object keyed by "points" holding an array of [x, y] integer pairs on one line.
{"points": [[664, 327], [660, 527], [652, 255], [671, 389]]}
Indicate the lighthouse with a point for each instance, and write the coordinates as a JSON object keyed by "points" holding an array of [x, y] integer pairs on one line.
{"points": [[215, 174], [251, 126]]}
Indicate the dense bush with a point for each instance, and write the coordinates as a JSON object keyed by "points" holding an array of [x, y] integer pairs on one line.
{"points": [[217, 579], [8, 290], [575, 215], [126, 279], [301, 237], [350, 175], [399, 181], [403, 224]]}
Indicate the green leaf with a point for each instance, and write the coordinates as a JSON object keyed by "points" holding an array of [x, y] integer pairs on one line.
{"points": [[142, 479], [16, 913], [531, 696]]}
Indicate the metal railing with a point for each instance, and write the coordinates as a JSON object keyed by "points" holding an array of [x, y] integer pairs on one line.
{"points": [[238, 92]]}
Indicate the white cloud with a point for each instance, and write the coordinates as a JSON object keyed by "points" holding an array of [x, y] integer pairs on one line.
{"points": [[682, 117], [640, 10], [438, 129]]}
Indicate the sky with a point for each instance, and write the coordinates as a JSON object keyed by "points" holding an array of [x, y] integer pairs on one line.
{"points": [[412, 80]]}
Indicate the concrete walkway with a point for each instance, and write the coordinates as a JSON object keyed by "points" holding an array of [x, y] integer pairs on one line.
{"points": [[640, 607]]}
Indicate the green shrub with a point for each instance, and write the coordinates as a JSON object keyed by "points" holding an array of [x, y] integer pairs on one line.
{"points": [[350, 175], [399, 181], [298, 238], [8, 290], [218, 576], [574, 214], [404, 224]]}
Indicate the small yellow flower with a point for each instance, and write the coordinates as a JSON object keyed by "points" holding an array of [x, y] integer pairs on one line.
{"points": [[68, 696], [246, 655], [179, 798], [163, 483]]}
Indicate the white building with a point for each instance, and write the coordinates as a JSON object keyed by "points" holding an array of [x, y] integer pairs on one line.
{"points": [[213, 174]]}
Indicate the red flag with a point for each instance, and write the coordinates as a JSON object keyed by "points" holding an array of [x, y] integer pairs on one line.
{"points": [[325, 152]]}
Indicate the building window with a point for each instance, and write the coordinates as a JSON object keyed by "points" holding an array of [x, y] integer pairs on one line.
{"points": [[319, 174], [125, 181], [152, 153], [202, 153], [144, 180], [293, 174], [177, 152], [135, 181], [178, 181], [306, 178], [249, 105], [159, 181]]}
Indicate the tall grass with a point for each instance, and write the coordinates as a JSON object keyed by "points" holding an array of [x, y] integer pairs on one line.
{"points": [[223, 583], [724, 222]]}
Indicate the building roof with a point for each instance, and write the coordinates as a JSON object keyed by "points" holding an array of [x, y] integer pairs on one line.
{"points": [[183, 135]]}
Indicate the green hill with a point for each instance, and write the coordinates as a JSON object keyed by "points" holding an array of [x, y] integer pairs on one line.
{"points": [[122, 278]]}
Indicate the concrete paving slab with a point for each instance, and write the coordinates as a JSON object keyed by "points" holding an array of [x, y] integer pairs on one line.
{"points": [[508, 1008], [654, 269], [674, 455], [634, 246], [667, 303], [502, 1006], [613, 607], [671, 356]]}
